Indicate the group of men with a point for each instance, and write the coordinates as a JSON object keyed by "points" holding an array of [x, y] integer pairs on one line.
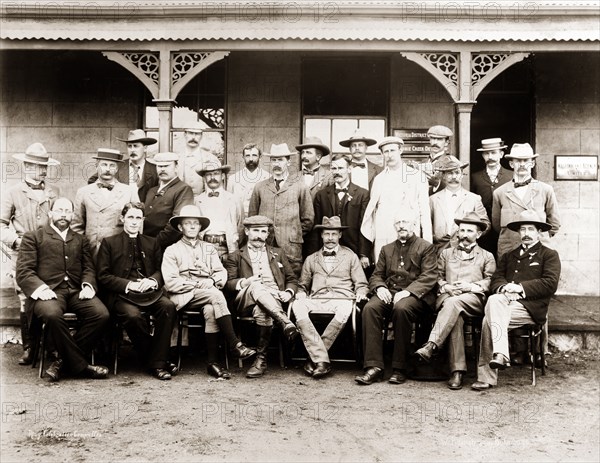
{"points": [[160, 235]]}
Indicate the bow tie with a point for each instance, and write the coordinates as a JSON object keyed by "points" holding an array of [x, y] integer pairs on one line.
{"points": [[309, 172], [520, 184], [465, 249], [524, 250], [105, 185], [36, 186], [213, 193], [329, 253], [341, 190], [362, 165]]}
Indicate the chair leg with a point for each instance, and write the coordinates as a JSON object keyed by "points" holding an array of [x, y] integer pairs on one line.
{"points": [[42, 352], [179, 339], [532, 346]]}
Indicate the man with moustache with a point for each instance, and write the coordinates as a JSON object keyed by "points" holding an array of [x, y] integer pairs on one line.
{"points": [[129, 271], [363, 171], [315, 175], [56, 271], [222, 208], [439, 145], [525, 280], [287, 202], [263, 281], [242, 182], [98, 205], [464, 274], [451, 203], [166, 200], [194, 156], [25, 207], [403, 284]]}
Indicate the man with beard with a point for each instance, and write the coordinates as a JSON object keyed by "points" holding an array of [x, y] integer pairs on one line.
{"points": [[315, 175], [451, 203], [464, 273], [363, 171], [264, 281], [25, 207], [287, 202], [56, 271], [242, 182], [222, 208], [194, 156]]}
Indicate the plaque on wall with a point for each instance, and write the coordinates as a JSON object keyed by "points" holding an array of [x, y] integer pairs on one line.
{"points": [[416, 143], [575, 167]]}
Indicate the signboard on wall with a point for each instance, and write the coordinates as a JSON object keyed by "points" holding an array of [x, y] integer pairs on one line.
{"points": [[416, 143], [575, 167]]}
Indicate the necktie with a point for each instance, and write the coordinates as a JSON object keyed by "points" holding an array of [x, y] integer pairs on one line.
{"points": [[213, 194], [329, 253], [278, 184], [36, 186], [135, 173], [360, 165], [520, 184], [105, 185]]}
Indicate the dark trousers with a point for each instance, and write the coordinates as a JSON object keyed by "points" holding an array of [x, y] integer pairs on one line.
{"points": [[152, 350], [93, 318], [404, 313]]}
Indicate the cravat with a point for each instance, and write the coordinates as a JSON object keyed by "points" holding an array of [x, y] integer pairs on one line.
{"points": [[329, 253], [135, 174], [520, 184], [361, 165], [213, 194], [36, 186], [105, 185], [465, 249], [278, 184]]}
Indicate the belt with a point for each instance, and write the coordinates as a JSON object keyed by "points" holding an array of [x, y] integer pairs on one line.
{"points": [[215, 239]]}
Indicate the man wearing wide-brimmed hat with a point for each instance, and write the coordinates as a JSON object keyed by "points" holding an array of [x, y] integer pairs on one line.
{"points": [[193, 156], [525, 280], [25, 207], [286, 201], [224, 210], [451, 203], [314, 174], [523, 193], [464, 274], [194, 276], [332, 280], [98, 205], [363, 171]]}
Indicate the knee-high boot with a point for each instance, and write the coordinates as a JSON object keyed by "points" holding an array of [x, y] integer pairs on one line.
{"points": [[259, 366], [236, 347], [274, 310], [27, 357]]}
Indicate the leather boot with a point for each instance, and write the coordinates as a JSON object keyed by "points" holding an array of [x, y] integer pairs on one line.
{"points": [[289, 329], [27, 357], [259, 366]]}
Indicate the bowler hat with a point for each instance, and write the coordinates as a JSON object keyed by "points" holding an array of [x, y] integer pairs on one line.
{"points": [[314, 142], [190, 212], [473, 218], [529, 216], [490, 144], [358, 135], [257, 221], [280, 150], [333, 223], [439, 131], [36, 154], [138, 136], [204, 167], [107, 154], [521, 151], [448, 162], [388, 140]]}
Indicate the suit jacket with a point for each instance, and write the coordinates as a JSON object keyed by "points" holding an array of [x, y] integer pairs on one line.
{"points": [[507, 206], [346, 277], [419, 271], [291, 210], [115, 261], [321, 179], [160, 207], [352, 213], [45, 258], [235, 216], [441, 216], [483, 186], [148, 175], [538, 272]]}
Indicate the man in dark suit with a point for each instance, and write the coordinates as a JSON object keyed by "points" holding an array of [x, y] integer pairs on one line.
{"points": [[364, 171], [264, 281], [140, 173], [129, 271], [56, 272], [403, 282], [348, 201], [525, 280]]}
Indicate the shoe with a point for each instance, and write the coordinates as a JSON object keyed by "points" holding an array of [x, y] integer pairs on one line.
{"points": [[172, 369], [398, 377], [290, 332], [242, 352], [455, 381], [216, 370], [96, 372], [27, 357], [427, 351], [258, 368], [538, 361], [481, 386], [309, 367], [161, 374], [518, 359], [322, 369], [499, 362], [54, 369], [370, 375]]}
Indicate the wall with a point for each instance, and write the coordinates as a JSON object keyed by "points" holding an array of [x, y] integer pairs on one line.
{"points": [[568, 122]]}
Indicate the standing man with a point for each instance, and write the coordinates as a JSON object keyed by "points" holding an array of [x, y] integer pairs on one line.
{"points": [[334, 279], [25, 207], [398, 187], [287, 202], [485, 182], [525, 280], [129, 271], [521, 194], [403, 283], [439, 143], [464, 273], [98, 205], [141, 175], [193, 156], [347, 201], [263, 281], [451, 203], [222, 208], [315, 175], [242, 182], [166, 200], [56, 271], [363, 171]]}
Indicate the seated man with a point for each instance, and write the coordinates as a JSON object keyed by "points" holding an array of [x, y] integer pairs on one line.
{"points": [[334, 278], [464, 273], [56, 272], [194, 276], [403, 283], [129, 272], [263, 279], [524, 282]]}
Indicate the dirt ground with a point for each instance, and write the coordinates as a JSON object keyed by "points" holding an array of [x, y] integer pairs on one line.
{"points": [[286, 416]]}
